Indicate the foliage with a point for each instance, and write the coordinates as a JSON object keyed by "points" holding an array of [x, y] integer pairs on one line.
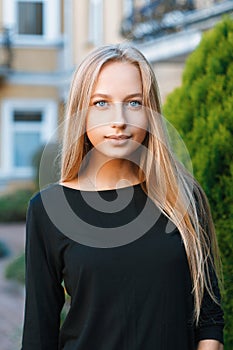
{"points": [[16, 269], [202, 112], [46, 164], [4, 250], [14, 205]]}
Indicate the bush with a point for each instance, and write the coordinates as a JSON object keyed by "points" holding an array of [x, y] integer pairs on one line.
{"points": [[202, 112], [46, 163], [14, 205], [4, 250], [16, 269]]}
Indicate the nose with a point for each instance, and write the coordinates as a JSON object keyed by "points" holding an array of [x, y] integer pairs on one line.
{"points": [[118, 118]]}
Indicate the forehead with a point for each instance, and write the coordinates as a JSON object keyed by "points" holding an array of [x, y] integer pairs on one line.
{"points": [[122, 75]]}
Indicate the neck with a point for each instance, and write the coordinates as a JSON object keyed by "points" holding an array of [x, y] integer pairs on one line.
{"points": [[108, 174]]}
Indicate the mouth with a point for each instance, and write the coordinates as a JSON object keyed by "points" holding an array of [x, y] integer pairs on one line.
{"points": [[118, 137]]}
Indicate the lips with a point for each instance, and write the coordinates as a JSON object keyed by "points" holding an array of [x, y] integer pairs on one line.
{"points": [[118, 137]]}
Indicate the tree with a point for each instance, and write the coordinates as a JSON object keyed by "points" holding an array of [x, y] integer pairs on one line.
{"points": [[202, 112]]}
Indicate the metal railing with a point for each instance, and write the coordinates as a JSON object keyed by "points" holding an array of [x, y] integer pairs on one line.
{"points": [[151, 22]]}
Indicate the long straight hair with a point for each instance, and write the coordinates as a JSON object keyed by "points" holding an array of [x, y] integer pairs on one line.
{"points": [[166, 181]]}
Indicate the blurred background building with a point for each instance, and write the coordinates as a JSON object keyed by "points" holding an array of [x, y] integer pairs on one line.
{"points": [[42, 41]]}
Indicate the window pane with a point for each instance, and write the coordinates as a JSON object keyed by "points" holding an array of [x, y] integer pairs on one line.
{"points": [[25, 146], [27, 116], [30, 18]]}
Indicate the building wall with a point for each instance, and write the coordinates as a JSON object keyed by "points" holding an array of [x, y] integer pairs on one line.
{"points": [[90, 31], [42, 69], [114, 11], [29, 92], [169, 76], [31, 89], [36, 60]]}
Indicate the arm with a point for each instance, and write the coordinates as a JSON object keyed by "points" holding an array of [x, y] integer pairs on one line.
{"points": [[210, 344], [209, 333], [44, 292]]}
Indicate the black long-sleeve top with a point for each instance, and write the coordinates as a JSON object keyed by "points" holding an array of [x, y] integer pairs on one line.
{"points": [[124, 296]]}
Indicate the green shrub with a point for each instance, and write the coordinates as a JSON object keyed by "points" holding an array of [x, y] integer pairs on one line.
{"points": [[202, 112], [16, 269], [14, 205], [4, 250], [46, 163]]}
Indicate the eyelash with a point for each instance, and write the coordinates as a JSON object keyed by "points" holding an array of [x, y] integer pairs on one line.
{"points": [[129, 103], [138, 103], [96, 103]]}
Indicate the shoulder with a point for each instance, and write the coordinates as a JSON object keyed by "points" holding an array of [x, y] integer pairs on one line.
{"points": [[42, 225], [45, 211], [45, 191], [54, 205], [41, 199]]}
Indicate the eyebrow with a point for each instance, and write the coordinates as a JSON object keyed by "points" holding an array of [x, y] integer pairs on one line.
{"points": [[136, 94]]}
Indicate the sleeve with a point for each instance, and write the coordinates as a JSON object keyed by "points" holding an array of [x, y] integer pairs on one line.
{"points": [[211, 323], [44, 291]]}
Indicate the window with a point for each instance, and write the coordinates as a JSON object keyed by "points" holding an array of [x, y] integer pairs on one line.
{"points": [[26, 132], [32, 21], [27, 116], [30, 18], [26, 126]]}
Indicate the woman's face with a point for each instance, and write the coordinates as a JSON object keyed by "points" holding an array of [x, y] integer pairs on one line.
{"points": [[116, 121]]}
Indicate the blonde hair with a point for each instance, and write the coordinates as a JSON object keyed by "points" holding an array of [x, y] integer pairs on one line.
{"points": [[172, 188]]}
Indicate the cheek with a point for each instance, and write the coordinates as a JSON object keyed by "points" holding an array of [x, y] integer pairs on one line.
{"points": [[93, 135], [95, 129], [92, 127], [140, 126], [91, 122], [97, 118], [139, 119]]}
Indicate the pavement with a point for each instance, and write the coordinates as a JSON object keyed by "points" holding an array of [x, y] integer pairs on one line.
{"points": [[12, 293]]}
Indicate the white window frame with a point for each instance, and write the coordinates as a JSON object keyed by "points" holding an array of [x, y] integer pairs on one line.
{"points": [[95, 22], [51, 22], [47, 128]]}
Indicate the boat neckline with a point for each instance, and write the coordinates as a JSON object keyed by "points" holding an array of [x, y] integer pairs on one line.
{"points": [[102, 190]]}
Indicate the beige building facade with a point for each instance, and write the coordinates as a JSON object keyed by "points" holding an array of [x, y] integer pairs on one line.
{"points": [[41, 43]]}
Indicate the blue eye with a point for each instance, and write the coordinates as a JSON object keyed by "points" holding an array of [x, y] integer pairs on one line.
{"points": [[100, 103], [135, 103]]}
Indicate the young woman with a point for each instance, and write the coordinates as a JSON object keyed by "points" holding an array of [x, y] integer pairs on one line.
{"points": [[127, 229]]}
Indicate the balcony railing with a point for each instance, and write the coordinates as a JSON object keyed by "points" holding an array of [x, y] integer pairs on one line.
{"points": [[163, 17]]}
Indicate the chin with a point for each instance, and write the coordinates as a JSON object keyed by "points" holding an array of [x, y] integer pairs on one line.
{"points": [[119, 153]]}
